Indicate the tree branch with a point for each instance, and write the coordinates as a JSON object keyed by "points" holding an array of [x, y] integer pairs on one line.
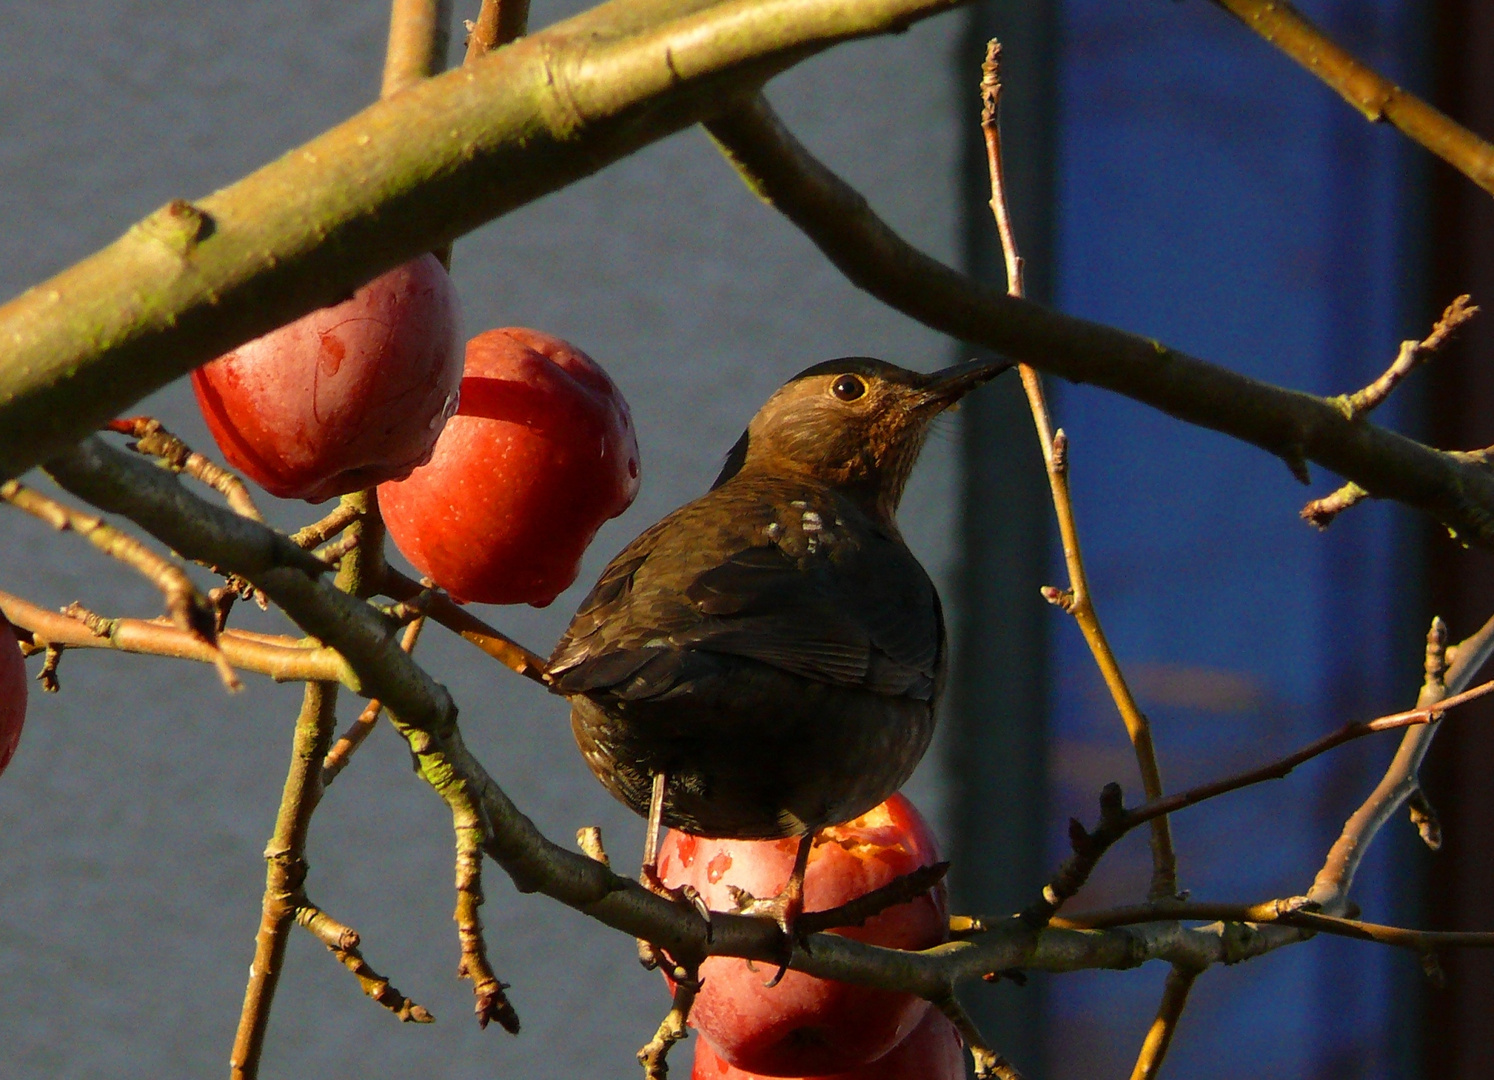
{"points": [[195, 279], [426, 717], [1295, 426], [1375, 96]]}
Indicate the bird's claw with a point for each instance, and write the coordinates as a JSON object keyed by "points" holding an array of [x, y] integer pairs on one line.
{"points": [[784, 909]]}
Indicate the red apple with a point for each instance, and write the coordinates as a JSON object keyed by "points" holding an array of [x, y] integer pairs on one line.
{"points": [[345, 397], [932, 1052], [540, 452], [806, 1026], [12, 692]]}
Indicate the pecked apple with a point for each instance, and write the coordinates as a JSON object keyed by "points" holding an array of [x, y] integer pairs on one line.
{"points": [[931, 1052], [806, 1026]]}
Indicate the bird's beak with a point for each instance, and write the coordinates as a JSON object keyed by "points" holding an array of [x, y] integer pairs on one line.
{"points": [[946, 387]]}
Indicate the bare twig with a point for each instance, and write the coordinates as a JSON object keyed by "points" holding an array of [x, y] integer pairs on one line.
{"points": [[498, 22], [1376, 97], [589, 840], [188, 608], [418, 30], [47, 676], [1169, 1011], [855, 912], [342, 942], [1456, 488], [442, 609], [285, 875], [653, 1056], [989, 1065], [1411, 356], [490, 1004], [1320, 512], [1077, 600], [1442, 689], [282, 659], [153, 439], [348, 742], [319, 532]]}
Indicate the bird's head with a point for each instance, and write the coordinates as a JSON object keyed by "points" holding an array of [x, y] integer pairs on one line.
{"points": [[856, 424]]}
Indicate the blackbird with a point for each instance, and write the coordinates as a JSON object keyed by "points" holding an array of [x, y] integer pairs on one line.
{"points": [[766, 660]]}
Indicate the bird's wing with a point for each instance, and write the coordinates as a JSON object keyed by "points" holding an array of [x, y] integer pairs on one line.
{"points": [[830, 602]]}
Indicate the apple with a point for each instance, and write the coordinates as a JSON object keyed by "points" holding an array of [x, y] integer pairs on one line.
{"points": [[540, 452], [12, 692], [932, 1052], [345, 397], [806, 1026]]}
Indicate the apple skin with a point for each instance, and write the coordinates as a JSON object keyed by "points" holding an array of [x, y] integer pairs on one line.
{"points": [[12, 692], [345, 397], [806, 1026], [539, 454], [932, 1052]]}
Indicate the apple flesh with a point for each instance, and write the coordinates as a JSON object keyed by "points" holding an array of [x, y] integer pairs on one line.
{"points": [[12, 692], [932, 1052], [343, 398], [539, 454], [806, 1026]]}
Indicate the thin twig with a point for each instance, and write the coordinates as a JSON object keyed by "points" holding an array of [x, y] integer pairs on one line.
{"points": [[498, 22], [319, 532], [900, 890], [1375, 96], [281, 658], [444, 610], [1296, 911], [153, 439], [1320, 512], [989, 1065], [1089, 846], [285, 875], [1411, 356], [654, 1054], [490, 1001], [342, 942], [1169, 1011], [1442, 689], [1077, 600], [188, 608], [348, 742], [418, 31]]}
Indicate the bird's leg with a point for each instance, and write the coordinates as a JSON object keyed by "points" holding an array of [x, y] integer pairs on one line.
{"points": [[787, 906], [649, 955], [649, 873]]}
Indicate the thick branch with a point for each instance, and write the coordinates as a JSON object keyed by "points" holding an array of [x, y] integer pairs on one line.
{"points": [[1368, 91], [1295, 426], [404, 176]]}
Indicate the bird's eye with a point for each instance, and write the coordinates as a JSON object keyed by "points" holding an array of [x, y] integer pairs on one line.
{"points": [[848, 387]]}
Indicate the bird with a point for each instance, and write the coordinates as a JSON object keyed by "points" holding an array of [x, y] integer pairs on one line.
{"points": [[767, 659]]}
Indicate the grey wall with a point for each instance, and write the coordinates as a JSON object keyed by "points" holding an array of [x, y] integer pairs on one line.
{"points": [[132, 819]]}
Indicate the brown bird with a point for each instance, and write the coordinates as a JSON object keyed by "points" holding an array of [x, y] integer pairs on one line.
{"points": [[766, 660]]}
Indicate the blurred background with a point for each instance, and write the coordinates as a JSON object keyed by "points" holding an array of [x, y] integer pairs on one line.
{"points": [[1172, 175]]}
